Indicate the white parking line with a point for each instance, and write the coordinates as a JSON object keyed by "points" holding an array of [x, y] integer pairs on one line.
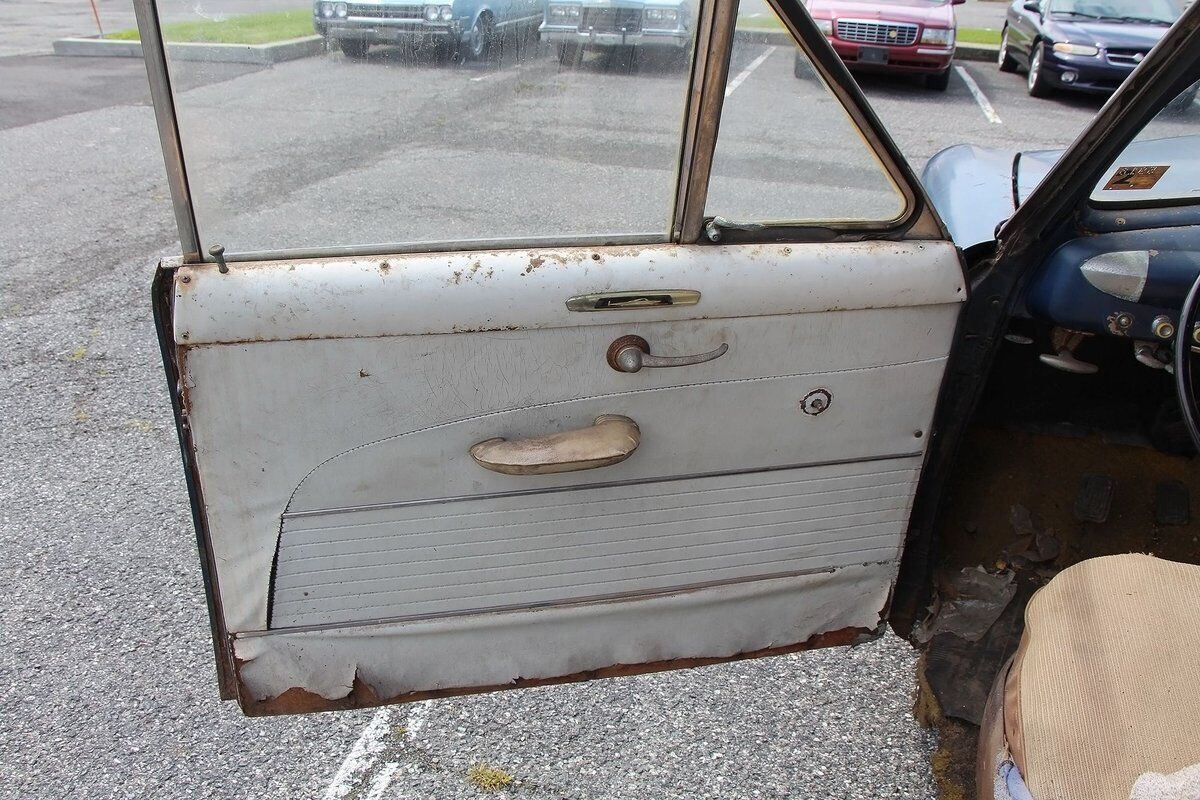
{"points": [[366, 751], [362, 756], [382, 781], [416, 718], [741, 76], [979, 96], [495, 72]]}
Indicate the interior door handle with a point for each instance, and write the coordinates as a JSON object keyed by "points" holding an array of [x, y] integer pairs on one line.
{"points": [[631, 353], [609, 440]]}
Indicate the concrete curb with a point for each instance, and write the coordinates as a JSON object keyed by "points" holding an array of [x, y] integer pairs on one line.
{"points": [[976, 52], [272, 53], [962, 52]]}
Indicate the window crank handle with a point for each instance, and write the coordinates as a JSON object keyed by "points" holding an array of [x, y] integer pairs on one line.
{"points": [[632, 353]]}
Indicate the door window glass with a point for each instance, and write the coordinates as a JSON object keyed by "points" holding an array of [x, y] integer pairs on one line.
{"points": [[787, 151], [405, 121]]}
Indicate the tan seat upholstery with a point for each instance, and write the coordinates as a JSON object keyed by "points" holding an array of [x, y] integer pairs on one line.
{"points": [[1106, 682]]}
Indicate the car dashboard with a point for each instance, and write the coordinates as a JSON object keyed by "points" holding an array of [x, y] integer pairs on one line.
{"points": [[1128, 283], [1126, 274]]}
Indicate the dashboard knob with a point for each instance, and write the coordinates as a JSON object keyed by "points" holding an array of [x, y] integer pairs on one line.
{"points": [[1163, 327]]}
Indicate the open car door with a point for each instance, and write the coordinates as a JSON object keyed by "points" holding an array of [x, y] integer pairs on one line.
{"points": [[582, 362]]}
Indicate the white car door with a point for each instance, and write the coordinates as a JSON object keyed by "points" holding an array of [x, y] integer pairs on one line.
{"points": [[532, 375]]}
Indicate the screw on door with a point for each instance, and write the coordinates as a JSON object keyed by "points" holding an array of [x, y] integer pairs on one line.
{"points": [[816, 401]]}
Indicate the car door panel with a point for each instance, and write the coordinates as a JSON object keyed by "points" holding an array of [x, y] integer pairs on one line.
{"points": [[353, 523], [1030, 22], [358, 545]]}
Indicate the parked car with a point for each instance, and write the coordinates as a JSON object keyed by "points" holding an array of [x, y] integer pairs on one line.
{"points": [[580, 450], [574, 24], [1081, 45], [467, 27], [905, 36]]}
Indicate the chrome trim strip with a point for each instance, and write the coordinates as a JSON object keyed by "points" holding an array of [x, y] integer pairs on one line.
{"points": [[467, 245], [575, 601], [867, 31], [157, 72], [882, 22], [320, 512]]}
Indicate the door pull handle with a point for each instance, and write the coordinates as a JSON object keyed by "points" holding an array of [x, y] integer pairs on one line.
{"points": [[609, 440]]}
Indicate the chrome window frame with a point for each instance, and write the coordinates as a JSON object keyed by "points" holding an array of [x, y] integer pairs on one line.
{"points": [[702, 113]]}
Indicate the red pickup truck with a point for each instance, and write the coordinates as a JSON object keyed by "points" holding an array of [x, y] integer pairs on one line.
{"points": [[915, 36]]}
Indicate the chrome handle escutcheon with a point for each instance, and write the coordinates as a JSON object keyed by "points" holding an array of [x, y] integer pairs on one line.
{"points": [[632, 353]]}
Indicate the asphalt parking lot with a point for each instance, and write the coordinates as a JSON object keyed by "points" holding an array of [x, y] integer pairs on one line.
{"points": [[106, 686]]}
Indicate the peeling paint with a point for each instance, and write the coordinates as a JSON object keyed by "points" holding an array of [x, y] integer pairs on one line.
{"points": [[297, 700], [428, 300]]}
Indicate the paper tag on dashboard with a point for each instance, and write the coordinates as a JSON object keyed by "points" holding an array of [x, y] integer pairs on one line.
{"points": [[1134, 178]]}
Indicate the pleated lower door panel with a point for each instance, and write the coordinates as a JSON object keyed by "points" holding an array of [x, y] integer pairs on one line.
{"points": [[436, 558]]}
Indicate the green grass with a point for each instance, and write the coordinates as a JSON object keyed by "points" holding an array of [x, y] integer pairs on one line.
{"points": [[268, 26], [490, 779], [978, 36], [768, 22]]}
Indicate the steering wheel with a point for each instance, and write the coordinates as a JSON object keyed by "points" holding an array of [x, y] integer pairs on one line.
{"points": [[1187, 362]]}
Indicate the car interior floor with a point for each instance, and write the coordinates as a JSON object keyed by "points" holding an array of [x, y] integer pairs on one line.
{"points": [[1055, 468]]}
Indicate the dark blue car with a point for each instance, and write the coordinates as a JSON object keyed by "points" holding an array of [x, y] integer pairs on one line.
{"points": [[1081, 45]]}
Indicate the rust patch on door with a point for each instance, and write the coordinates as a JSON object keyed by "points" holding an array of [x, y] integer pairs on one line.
{"points": [[298, 700]]}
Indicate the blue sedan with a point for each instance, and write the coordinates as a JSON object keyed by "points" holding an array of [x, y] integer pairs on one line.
{"points": [[1081, 45]]}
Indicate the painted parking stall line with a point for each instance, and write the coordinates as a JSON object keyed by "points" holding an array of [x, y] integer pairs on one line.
{"points": [[753, 65], [489, 74], [373, 744], [381, 781], [362, 756], [980, 98]]}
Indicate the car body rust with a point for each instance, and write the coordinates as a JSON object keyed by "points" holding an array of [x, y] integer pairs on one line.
{"points": [[298, 700]]}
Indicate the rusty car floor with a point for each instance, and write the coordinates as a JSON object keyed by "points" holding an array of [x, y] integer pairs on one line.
{"points": [[1003, 466]]}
